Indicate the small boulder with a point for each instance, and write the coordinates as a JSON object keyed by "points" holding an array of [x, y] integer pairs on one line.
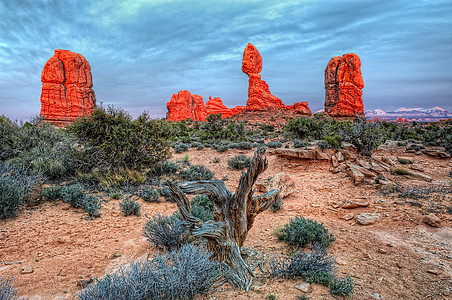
{"points": [[348, 216], [432, 220], [340, 156], [280, 181], [304, 287], [367, 218], [354, 204], [334, 161]]}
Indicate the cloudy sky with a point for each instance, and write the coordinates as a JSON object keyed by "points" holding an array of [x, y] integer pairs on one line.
{"points": [[141, 52]]}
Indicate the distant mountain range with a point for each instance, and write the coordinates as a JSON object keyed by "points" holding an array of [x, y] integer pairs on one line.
{"points": [[411, 114]]}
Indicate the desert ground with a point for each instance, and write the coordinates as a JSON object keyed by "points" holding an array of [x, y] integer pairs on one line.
{"points": [[52, 248]]}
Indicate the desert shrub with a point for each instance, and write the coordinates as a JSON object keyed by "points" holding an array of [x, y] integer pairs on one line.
{"points": [[316, 266], [179, 274], [15, 184], [217, 160], [195, 172], [200, 147], [115, 196], [202, 207], [343, 287], [299, 144], [52, 192], [149, 194], [114, 141], [130, 206], [242, 145], [8, 289], [274, 144], [222, 146], [277, 205], [180, 147], [40, 148], [76, 196], [165, 231], [333, 140], [365, 135], [239, 162], [166, 167], [267, 128], [300, 232], [165, 192]]}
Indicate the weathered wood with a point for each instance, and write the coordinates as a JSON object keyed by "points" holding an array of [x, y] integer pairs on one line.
{"points": [[234, 216]]}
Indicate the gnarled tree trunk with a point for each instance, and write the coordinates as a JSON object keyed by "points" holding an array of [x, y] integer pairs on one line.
{"points": [[234, 216]]}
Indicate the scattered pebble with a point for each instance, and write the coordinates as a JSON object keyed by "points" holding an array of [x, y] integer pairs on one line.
{"points": [[27, 270], [348, 216]]}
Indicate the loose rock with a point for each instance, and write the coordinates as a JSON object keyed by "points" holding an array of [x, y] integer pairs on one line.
{"points": [[432, 220], [367, 218], [304, 287]]}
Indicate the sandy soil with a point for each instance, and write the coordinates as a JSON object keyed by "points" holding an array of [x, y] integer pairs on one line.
{"points": [[391, 259]]}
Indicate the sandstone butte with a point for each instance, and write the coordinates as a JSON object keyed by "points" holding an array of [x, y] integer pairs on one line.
{"points": [[66, 88], [259, 96], [343, 85]]}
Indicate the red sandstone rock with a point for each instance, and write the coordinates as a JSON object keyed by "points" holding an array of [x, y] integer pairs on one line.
{"points": [[343, 85], [259, 95], [252, 60], [216, 106], [237, 109], [300, 108], [66, 88], [184, 105]]}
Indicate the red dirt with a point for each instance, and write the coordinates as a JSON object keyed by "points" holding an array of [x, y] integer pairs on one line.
{"points": [[389, 258]]}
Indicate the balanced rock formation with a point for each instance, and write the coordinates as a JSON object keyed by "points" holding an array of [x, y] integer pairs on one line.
{"points": [[66, 88], [184, 105], [259, 95], [343, 85]]}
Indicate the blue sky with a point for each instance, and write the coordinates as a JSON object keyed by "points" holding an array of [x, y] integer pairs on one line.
{"points": [[142, 52]]}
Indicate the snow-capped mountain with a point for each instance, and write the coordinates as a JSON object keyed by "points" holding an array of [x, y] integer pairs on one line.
{"points": [[413, 114]]}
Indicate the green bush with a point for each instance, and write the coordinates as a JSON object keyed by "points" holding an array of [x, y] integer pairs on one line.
{"points": [[165, 231], [52, 192], [165, 168], [404, 161], [76, 196], [300, 232], [130, 206], [343, 287], [165, 192], [299, 144], [181, 274], [274, 144], [239, 162], [180, 147], [114, 141], [196, 173], [14, 186], [40, 148], [365, 135], [202, 207], [149, 195]]}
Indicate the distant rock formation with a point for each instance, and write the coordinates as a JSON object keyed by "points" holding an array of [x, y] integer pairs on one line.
{"points": [[66, 88], [216, 106], [184, 105], [259, 95], [343, 85], [300, 108]]}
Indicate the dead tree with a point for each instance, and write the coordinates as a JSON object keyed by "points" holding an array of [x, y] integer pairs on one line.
{"points": [[234, 216]]}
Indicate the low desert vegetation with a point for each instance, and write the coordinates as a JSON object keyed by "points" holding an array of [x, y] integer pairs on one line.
{"points": [[180, 274], [8, 288]]}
